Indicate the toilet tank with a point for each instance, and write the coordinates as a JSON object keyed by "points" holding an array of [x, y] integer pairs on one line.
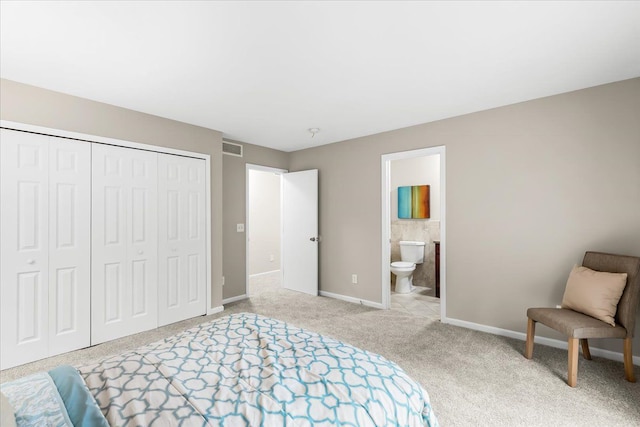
{"points": [[411, 251]]}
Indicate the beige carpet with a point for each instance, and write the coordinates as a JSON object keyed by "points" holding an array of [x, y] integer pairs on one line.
{"points": [[474, 379]]}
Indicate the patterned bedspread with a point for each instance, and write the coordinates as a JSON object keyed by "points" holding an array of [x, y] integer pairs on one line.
{"points": [[246, 369]]}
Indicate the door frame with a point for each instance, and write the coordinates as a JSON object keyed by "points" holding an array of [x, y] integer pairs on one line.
{"points": [[147, 147], [249, 167], [386, 222]]}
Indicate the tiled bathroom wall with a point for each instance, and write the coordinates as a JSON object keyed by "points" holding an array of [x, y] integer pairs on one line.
{"points": [[420, 230]]}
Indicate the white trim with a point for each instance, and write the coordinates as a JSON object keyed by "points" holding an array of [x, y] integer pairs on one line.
{"points": [[234, 299], [250, 167], [264, 273], [207, 228], [351, 299], [214, 310], [606, 354], [129, 144], [99, 139], [385, 259]]}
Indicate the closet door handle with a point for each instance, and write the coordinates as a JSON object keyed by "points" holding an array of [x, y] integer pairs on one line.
{"points": [[31, 261], [140, 252]]}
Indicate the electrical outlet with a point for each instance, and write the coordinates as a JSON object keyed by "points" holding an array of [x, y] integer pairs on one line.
{"points": [[240, 228], [354, 279], [222, 280]]}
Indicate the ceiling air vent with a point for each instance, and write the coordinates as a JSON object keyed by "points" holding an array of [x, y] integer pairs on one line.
{"points": [[231, 148]]}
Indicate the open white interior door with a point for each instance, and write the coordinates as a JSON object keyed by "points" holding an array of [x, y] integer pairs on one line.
{"points": [[300, 231]]}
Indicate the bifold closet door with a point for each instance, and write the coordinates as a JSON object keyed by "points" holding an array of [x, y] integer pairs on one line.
{"points": [[182, 243], [69, 245], [44, 250], [125, 242]]}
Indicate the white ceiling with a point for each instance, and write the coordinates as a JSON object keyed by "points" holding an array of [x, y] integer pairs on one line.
{"points": [[266, 72]]}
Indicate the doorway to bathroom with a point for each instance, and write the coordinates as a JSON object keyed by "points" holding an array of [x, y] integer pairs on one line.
{"points": [[263, 228], [409, 170]]}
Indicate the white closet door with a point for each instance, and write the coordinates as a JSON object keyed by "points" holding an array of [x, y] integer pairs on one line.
{"points": [[69, 245], [182, 247], [124, 249], [24, 247]]}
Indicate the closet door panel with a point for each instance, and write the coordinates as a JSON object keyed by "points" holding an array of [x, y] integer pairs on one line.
{"points": [[69, 245], [195, 245], [111, 296], [173, 282], [108, 246], [124, 248], [182, 245], [143, 238], [23, 247]]}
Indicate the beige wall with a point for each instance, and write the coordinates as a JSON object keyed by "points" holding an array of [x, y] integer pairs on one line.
{"points": [[530, 187], [234, 211], [264, 231], [36, 106]]}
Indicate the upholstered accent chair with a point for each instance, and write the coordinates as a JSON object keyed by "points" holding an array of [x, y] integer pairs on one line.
{"points": [[580, 327]]}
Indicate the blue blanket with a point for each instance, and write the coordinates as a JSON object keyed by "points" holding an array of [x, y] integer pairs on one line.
{"points": [[55, 398]]}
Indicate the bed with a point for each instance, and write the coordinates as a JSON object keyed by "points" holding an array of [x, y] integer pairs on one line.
{"points": [[239, 370]]}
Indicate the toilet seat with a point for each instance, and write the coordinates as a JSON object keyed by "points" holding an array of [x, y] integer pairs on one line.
{"points": [[403, 265]]}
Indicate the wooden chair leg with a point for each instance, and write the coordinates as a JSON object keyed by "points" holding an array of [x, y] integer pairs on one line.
{"points": [[585, 349], [628, 361], [572, 374], [531, 331]]}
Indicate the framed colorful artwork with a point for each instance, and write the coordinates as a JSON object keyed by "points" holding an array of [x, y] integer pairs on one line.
{"points": [[413, 202]]}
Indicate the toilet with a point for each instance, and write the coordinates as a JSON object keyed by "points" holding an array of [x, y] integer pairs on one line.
{"points": [[411, 253]]}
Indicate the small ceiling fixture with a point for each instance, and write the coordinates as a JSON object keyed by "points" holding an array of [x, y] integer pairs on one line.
{"points": [[314, 131]]}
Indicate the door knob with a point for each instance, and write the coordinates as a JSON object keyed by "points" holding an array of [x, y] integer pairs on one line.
{"points": [[31, 261], [140, 252], [315, 239]]}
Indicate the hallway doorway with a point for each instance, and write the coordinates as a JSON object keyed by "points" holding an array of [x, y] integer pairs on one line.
{"points": [[263, 228]]}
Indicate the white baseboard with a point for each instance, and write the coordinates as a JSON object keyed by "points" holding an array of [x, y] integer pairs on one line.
{"points": [[606, 354], [264, 273], [234, 299], [351, 299], [214, 310]]}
